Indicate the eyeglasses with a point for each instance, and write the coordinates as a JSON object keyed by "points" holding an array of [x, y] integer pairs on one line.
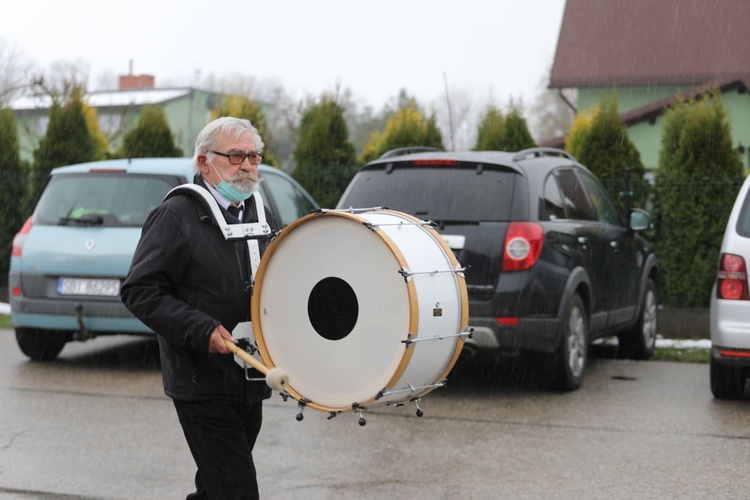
{"points": [[237, 157]]}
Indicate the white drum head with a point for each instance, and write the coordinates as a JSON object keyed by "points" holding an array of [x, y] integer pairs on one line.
{"points": [[331, 308]]}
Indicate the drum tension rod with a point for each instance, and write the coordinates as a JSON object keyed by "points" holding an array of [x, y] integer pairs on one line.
{"points": [[332, 413], [350, 210], [468, 332], [407, 274]]}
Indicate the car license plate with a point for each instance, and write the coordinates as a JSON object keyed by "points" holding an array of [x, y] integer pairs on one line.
{"points": [[83, 286]]}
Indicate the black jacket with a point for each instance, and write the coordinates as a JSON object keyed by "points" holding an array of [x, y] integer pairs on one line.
{"points": [[184, 280]]}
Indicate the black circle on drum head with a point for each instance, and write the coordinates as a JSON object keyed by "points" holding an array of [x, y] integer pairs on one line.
{"points": [[333, 308]]}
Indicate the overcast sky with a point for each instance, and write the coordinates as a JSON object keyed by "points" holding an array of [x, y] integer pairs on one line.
{"points": [[499, 48]]}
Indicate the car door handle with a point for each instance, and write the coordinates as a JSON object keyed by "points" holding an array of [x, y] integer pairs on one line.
{"points": [[583, 240], [615, 245]]}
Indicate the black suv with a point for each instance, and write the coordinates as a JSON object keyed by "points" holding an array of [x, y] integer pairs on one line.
{"points": [[553, 263]]}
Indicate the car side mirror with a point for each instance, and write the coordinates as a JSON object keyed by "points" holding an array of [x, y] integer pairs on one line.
{"points": [[640, 220]]}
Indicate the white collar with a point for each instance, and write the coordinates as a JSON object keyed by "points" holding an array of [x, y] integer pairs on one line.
{"points": [[223, 202]]}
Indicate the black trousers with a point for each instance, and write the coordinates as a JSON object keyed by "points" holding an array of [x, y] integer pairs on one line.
{"points": [[221, 435]]}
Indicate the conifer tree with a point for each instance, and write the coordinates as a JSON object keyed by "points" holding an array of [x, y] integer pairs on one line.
{"points": [[576, 138], [490, 132], [406, 127], [325, 158], [605, 148], [67, 141], [101, 144], [151, 137], [515, 134], [696, 183], [11, 217]]}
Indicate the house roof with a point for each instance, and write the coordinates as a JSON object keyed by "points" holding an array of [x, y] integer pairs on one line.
{"points": [[653, 109], [651, 42], [114, 98]]}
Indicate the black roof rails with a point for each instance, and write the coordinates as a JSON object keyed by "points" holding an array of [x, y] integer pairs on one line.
{"points": [[537, 152], [406, 151]]}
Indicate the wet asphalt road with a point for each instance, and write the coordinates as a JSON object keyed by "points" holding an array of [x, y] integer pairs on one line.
{"points": [[95, 425]]}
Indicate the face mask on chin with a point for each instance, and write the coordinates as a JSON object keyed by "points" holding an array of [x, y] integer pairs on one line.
{"points": [[228, 191]]}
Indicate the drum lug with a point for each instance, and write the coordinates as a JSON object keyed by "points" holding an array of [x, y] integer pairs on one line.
{"points": [[360, 410], [409, 340], [405, 273]]}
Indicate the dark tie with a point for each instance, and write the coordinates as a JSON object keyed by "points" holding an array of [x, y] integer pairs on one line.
{"points": [[235, 211]]}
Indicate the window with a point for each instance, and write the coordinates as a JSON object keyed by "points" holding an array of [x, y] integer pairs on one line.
{"points": [[743, 221], [470, 193], [290, 202], [109, 123], [576, 203], [605, 209], [106, 199], [41, 125], [552, 206]]}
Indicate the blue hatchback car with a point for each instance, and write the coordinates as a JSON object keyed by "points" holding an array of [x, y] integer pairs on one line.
{"points": [[71, 256]]}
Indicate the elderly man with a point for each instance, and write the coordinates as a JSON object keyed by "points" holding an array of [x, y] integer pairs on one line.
{"points": [[192, 287]]}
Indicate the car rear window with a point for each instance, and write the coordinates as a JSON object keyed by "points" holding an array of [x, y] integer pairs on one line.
{"points": [[101, 199], [743, 221], [468, 192]]}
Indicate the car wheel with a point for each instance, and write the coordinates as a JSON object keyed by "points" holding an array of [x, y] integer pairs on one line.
{"points": [[572, 353], [41, 345], [727, 382], [640, 341]]}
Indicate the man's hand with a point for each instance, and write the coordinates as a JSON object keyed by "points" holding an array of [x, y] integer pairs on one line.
{"points": [[216, 343]]}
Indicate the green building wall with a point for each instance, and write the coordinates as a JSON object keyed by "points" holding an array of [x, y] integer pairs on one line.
{"points": [[647, 136]]}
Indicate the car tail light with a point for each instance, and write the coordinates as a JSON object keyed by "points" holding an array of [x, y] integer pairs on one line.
{"points": [[523, 244], [20, 238], [435, 163], [734, 353], [731, 278], [507, 320]]}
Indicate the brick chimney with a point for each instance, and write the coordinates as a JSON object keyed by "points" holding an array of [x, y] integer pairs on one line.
{"points": [[136, 82], [131, 81]]}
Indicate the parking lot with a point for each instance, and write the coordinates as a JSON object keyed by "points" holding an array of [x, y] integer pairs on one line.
{"points": [[95, 424]]}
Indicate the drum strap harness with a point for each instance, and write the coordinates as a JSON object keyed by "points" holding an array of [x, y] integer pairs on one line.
{"points": [[249, 232]]}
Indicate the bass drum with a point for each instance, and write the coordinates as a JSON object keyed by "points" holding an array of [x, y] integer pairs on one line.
{"points": [[359, 309]]}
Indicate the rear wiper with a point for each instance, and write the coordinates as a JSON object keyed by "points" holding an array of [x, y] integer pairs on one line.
{"points": [[84, 220], [441, 223]]}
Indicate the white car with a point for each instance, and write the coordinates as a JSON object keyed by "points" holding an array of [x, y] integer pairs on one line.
{"points": [[730, 305]]}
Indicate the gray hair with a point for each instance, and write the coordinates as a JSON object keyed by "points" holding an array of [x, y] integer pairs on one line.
{"points": [[209, 137]]}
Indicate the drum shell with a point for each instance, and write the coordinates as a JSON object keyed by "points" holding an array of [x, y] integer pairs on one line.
{"points": [[410, 304]]}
